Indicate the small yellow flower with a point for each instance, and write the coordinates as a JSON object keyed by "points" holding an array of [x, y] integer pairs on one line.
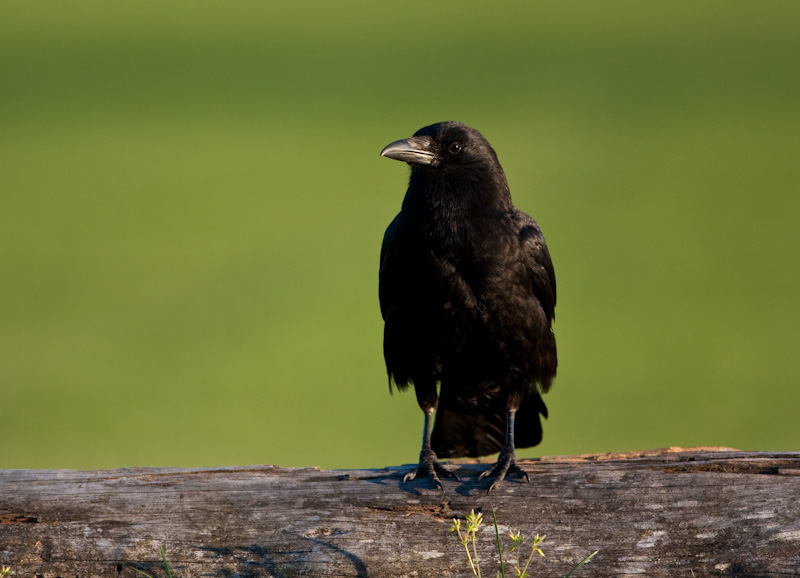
{"points": [[536, 541], [474, 521], [516, 540]]}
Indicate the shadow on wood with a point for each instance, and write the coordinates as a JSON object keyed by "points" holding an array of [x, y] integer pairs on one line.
{"points": [[660, 513]]}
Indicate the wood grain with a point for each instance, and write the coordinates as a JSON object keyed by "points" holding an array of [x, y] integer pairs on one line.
{"points": [[659, 513]]}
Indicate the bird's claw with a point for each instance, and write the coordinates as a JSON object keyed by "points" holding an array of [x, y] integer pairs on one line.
{"points": [[506, 465], [429, 466]]}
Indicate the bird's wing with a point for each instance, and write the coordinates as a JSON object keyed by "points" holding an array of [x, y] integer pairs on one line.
{"points": [[385, 273], [540, 265]]}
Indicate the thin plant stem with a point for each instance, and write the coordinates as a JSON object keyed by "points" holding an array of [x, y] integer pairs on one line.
{"points": [[477, 563], [164, 559], [525, 569], [499, 546], [469, 557], [581, 563]]}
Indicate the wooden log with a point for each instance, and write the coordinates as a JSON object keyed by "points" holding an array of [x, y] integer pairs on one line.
{"points": [[679, 513]]}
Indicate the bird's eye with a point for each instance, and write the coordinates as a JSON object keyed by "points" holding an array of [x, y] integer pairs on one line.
{"points": [[455, 148]]}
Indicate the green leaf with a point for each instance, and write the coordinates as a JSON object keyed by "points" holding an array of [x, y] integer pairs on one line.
{"points": [[164, 559], [499, 547], [581, 563]]}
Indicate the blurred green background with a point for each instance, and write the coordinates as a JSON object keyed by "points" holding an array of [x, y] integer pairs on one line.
{"points": [[192, 208]]}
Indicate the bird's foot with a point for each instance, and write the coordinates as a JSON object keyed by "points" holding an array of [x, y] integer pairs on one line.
{"points": [[429, 466], [506, 465]]}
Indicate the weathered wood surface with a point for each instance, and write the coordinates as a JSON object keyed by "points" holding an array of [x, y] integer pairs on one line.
{"points": [[659, 513]]}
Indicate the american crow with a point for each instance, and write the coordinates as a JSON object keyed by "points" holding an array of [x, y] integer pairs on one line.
{"points": [[467, 293]]}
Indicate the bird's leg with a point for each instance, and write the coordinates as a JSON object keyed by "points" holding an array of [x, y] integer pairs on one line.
{"points": [[428, 464], [507, 460]]}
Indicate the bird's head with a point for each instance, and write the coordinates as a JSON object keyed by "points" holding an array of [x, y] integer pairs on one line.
{"points": [[446, 149]]}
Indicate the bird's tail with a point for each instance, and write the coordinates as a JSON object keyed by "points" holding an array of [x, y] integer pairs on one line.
{"points": [[457, 435]]}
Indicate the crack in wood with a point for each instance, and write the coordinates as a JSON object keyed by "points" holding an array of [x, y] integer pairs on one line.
{"points": [[442, 511], [18, 519]]}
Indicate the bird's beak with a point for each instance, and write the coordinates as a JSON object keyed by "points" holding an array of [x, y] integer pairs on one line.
{"points": [[415, 150]]}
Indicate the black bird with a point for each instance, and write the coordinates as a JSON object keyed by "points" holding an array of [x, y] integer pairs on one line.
{"points": [[467, 293]]}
